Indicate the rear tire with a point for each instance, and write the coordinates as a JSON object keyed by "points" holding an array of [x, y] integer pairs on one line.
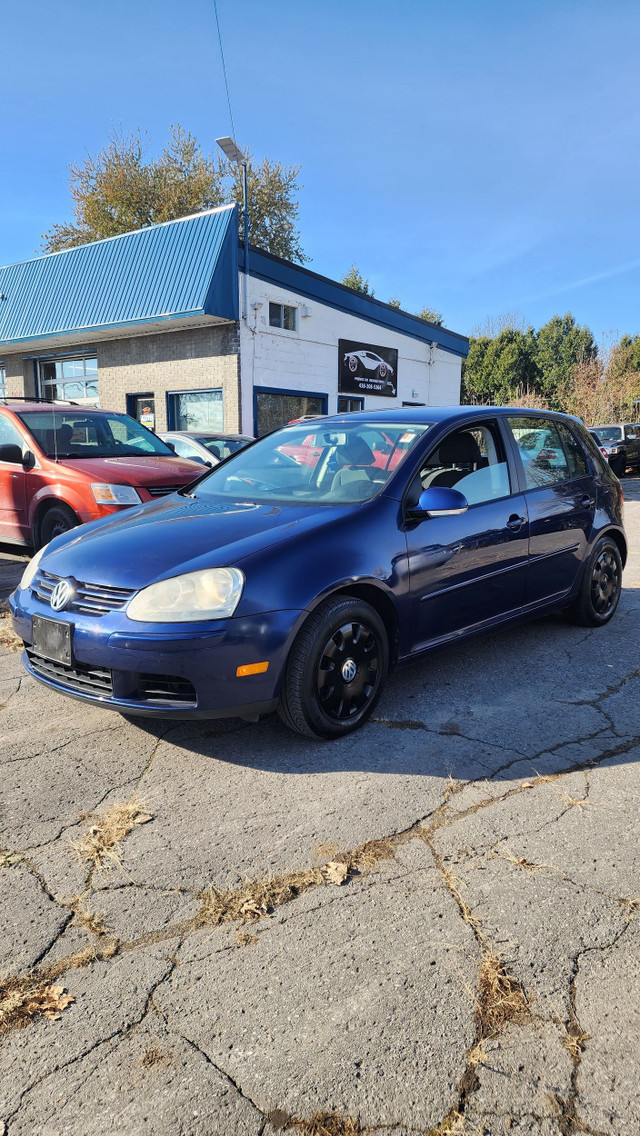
{"points": [[336, 669], [601, 585], [57, 520]]}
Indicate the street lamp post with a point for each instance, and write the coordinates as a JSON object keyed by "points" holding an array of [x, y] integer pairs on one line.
{"points": [[235, 154]]}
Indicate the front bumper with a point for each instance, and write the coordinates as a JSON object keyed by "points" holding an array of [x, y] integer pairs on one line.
{"points": [[169, 671]]}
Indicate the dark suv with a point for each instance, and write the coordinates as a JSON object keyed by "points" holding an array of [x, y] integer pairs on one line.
{"points": [[622, 440]]}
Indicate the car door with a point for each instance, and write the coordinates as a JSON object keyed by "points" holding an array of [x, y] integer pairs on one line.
{"points": [[560, 502], [13, 487], [469, 570]]}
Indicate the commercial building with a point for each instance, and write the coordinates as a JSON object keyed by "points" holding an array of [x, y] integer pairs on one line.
{"points": [[165, 324]]}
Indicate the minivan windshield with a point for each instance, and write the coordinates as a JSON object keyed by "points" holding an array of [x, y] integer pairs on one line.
{"points": [[83, 434], [609, 433], [337, 464]]}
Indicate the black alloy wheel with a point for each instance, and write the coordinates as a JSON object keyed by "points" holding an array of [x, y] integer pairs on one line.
{"points": [[335, 670], [601, 586]]}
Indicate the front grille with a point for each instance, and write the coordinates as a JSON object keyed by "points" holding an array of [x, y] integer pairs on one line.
{"points": [[80, 677], [90, 599], [166, 689], [162, 490]]}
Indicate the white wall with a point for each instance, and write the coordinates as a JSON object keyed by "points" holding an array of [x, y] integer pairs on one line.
{"points": [[307, 359]]}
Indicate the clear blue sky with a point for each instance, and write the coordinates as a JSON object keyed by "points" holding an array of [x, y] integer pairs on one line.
{"points": [[477, 157]]}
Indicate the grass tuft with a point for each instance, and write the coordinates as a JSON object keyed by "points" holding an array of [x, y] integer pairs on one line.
{"points": [[500, 998], [22, 999], [8, 637], [102, 844]]}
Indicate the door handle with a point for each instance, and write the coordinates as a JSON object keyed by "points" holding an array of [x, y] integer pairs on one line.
{"points": [[587, 500], [515, 522]]}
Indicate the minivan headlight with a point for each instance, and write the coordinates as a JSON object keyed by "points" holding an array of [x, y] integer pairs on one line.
{"points": [[213, 593], [115, 494], [31, 569]]}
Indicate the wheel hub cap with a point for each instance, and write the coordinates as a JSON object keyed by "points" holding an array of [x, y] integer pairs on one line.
{"points": [[348, 671]]}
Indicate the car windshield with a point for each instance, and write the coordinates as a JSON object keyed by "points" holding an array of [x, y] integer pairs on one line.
{"points": [[609, 433], [83, 434], [339, 464], [223, 447]]}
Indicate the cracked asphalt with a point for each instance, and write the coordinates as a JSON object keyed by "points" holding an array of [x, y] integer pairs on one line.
{"points": [[504, 774]]}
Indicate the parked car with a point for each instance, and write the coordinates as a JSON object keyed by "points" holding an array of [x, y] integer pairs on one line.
{"points": [[204, 447], [62, 465], [272, 584], [610, 452], [623, 441], [369, 364]]}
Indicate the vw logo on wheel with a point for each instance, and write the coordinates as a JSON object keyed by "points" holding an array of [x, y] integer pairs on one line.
{"points": [[61, 595], [349, 670]]}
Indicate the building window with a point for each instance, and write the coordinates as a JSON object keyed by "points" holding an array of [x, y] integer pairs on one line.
{"points": [[275, 408], [281, 315], [72, 380], [195, 410], [348, 405], [3, 381]]}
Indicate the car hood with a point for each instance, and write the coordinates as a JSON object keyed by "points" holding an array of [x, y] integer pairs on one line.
{"points": [[177, 534], [152, 470]]}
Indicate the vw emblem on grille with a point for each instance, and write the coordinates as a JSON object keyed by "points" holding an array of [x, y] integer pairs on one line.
{"points": [[349, 670], [61, 595]]}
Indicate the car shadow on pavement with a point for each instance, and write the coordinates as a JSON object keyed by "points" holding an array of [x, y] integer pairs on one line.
{"points": [[538, 698]]}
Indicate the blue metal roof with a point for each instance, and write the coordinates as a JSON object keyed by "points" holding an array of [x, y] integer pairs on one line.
{"points": [[165, 272]]}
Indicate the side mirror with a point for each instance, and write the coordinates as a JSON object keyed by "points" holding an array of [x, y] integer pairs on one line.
{"points": [[9, 452], [438, 501]]}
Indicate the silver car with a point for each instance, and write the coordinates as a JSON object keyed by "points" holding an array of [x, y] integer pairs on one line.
{"points": [[204, 446]]}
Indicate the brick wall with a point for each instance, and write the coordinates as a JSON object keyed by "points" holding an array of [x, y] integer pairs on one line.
{"points": [[194, 359], [199, 358]]}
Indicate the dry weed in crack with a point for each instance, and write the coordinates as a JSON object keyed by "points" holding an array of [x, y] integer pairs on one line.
{"points": [[154, 1057], [503, 852], [8, 637], [103, 842], [320, 1124], [22, 999], [255, 899], [500, 1000], [574, 1039]]}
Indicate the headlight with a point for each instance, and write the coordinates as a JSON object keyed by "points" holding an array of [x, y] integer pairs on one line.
{"points": [[31, 569], [213, 593], [115, 495]]}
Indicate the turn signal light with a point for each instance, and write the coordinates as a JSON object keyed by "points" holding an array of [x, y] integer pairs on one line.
{"points": [[251, 669]]}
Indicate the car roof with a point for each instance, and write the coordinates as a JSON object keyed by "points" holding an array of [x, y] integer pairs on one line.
{"points": [[18, 406], [208, 434], [424, 415]]}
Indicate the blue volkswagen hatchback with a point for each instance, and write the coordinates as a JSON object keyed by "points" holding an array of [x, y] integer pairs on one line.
{"points": [[298, 571]]}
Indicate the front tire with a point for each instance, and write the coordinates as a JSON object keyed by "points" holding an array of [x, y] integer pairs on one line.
{"points": [[336, 669], [57, 520], [601, 586]]}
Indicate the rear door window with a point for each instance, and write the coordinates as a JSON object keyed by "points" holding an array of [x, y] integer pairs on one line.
{"points": [[541, 451]]}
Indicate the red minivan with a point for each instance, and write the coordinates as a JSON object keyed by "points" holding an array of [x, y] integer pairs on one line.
{"points": [[62, 465]]}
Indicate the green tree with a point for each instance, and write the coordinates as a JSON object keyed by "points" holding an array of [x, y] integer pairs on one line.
{"points": [[560, 344], [498, 369], [120, 189], [394, 303], [625, 356], [355, 280], [429, 315]]}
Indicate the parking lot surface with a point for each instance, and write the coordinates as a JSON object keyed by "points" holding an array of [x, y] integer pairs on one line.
{"points": [[218, 928]]}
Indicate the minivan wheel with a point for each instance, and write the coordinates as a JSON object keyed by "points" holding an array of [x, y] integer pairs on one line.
{"points": [[57, 520], [601, 586], [336, 669]]}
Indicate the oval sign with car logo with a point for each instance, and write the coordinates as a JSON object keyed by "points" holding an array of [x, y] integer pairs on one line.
{"points": [[61, 595]]}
